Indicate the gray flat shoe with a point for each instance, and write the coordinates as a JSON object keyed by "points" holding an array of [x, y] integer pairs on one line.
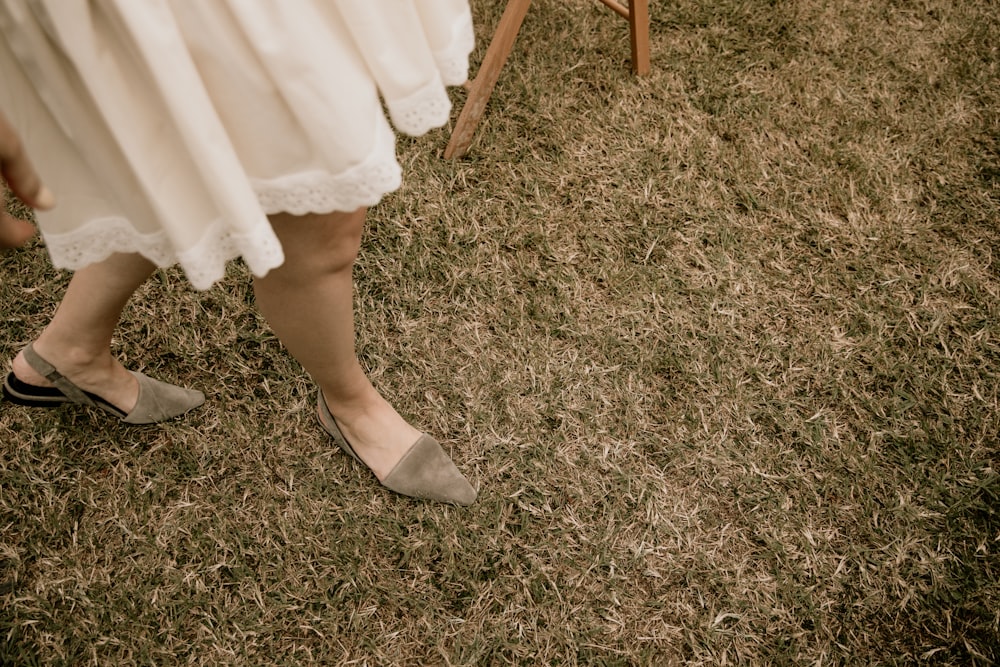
{"points": [[425, 471], [158, 401]]}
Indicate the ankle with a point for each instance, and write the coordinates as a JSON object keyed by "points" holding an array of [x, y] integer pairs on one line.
{"points": [[71, 361], [349, 401], [372, 421], [72, 355]]}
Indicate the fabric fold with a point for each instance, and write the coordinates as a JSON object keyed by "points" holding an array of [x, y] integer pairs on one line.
{"points": [[172, 128]]}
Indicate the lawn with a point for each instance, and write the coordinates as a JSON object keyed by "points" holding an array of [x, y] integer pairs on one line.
{"points": [[720, 347]]}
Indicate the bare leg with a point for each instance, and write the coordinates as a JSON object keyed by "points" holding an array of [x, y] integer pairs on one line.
{"points": [[308, 302], [78, 339]]}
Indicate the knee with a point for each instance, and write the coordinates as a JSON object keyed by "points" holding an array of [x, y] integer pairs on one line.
{"points": [[316, 245]]}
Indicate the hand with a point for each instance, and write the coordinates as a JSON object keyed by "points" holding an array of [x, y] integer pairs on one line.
{"points": [[20, 176]]}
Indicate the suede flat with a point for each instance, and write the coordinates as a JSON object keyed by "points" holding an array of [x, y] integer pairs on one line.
{"points": [[425, 471], [158, 401]]}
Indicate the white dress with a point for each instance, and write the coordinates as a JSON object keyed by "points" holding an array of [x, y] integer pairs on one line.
{"points": [[171, 128]]}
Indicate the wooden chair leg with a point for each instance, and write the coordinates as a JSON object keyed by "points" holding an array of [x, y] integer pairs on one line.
{"points": [[638, 23], [481, 87], [637, 15]]}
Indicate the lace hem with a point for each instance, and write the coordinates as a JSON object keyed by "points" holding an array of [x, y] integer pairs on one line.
{"points": [[323, 192], [204, 264], [427, 108], [453, 62], [103, 237]]}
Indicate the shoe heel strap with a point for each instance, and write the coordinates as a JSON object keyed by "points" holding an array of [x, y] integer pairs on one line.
{"points": [[329, 424], [50, 373]]}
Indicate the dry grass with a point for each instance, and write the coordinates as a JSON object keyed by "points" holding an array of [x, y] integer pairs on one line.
{"points": [[721, 347]]}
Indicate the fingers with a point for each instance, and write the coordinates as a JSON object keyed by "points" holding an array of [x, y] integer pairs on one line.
{"points": [[16, 169], [13, 232], [24, 182]]}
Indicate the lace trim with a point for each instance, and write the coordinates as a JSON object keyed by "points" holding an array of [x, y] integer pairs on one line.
{"points": [[204, 264], [323, 192], [453, 62], [427, 108], [102, 237]]}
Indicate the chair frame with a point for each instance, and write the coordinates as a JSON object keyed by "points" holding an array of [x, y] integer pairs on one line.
{"points": [[481, 87]]}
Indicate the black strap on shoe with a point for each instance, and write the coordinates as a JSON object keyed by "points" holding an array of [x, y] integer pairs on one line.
{"points": [[46, 369]]}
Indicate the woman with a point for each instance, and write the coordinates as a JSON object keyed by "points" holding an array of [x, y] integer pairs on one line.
{"points": [[181, 131]]}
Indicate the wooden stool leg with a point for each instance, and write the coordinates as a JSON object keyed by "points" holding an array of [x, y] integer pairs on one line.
{"points": [[638, 23], [481, 87]]}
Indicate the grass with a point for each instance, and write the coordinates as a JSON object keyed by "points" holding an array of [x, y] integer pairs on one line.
{"points": [[720, 345]]}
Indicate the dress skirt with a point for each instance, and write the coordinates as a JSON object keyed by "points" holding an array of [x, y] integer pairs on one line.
{"points": [[172, 128]]}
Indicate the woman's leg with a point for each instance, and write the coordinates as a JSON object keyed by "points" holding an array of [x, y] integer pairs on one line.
{"points": [[78, 339], [308, 301]]}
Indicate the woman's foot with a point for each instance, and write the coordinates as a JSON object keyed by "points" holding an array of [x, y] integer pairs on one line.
{"points": [[402, 458], [379, 436], [135, 399], [102, 376]]}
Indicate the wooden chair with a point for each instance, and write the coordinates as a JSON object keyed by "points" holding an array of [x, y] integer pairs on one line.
{"points": [[481, 87]]}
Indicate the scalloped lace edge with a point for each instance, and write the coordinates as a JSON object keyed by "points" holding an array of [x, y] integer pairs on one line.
{"points": [[322, 192], [429, 106], [204, 264], [421, 111], [453, 61]]}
